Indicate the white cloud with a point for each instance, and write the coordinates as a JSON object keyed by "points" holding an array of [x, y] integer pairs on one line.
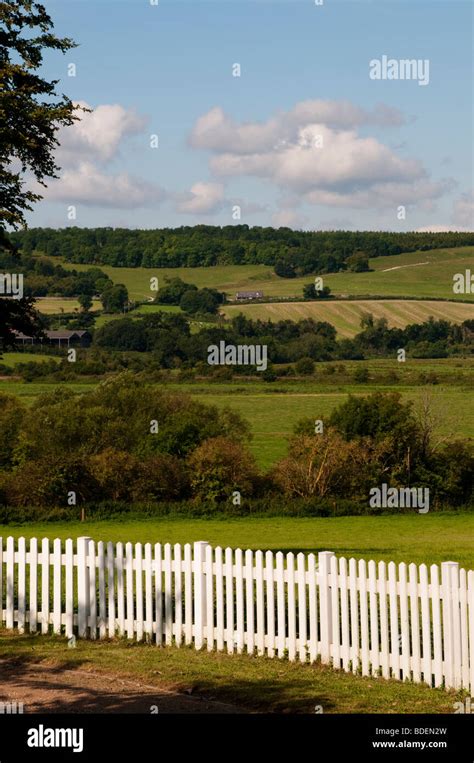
{"points": [[203, 198], [88, 185], [97, 135], [216, 131], [315, 153]]}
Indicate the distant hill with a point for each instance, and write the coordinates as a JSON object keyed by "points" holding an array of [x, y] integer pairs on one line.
{"points": [[294, 253]]}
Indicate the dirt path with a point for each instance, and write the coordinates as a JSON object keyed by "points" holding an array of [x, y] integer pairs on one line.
{"points": [[410, 265], [57, 689]]}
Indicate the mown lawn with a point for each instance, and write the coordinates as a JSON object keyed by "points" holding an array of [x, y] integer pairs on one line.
{"points": [[259, 684], [420, 538]]}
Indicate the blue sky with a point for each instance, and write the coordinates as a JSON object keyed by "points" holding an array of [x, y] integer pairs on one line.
{"points": [[249, 141]]}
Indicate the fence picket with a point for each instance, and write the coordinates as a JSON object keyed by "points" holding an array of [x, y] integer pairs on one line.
{"points": [[334, 605], [119, 561], [281, 624], [464, 628], [239, 597], [290, 568], [178, 595], [21, 584], [354, 604], [404, 624], [102, 600], [44, 585], [302, 609], [69, 586], [229, 597], [374, 618], [10, 581], [159, 593], [436, 626], [209, 599], [92, 590], [220, 632], [148, 593], [414, 622], [345, 634], [249, 602], [139, 590], [313, 609], [425, 625], [394, 622], [129, 590], [111, 589], [269, 577], [168, 595], [364, 618], [384, 632], [188, 595]]}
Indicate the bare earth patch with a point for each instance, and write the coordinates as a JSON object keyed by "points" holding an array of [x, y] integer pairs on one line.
{"points": [[47, 688]]}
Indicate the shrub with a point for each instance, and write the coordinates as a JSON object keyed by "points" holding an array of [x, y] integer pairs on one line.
{"points": [[220, 466]]}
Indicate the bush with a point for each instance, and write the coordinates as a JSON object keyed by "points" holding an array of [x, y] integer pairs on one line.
{"points": [[219, 467], [305, 366]]}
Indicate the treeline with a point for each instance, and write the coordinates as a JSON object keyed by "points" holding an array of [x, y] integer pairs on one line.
{"points": [[206, 245], [169, 338], [42, 277], [130, 442]]}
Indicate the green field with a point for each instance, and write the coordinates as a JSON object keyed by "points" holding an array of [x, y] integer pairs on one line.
{"points": [[399, 275], [420, 538], [345, 315], [12, 358]]}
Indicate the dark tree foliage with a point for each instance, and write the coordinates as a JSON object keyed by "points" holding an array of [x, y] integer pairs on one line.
{"points": [[296, 252], [31, 113]]}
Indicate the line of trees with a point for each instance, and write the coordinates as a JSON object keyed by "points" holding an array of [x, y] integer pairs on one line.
{"points": [[168, 337], [290, 252]]}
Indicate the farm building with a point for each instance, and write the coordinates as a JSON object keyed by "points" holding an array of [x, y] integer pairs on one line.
{"points": [[249, 295], [60, 338]]}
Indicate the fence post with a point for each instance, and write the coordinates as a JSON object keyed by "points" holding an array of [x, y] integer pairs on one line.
{"points": [[324, 568], [449, 614], [200, 547], [82, 586]]}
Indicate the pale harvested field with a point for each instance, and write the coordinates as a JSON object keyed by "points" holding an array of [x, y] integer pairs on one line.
{"points": [[53, 305], [346, 315]]}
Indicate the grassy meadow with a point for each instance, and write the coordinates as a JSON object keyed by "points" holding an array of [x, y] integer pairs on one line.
{"points": [[421, 538], [414, 274]]}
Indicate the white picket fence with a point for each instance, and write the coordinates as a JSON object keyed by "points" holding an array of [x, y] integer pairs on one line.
{"points": [[400, 622]]}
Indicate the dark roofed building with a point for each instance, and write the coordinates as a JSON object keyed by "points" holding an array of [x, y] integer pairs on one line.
{"points": [[60, 338], [249, 295]]}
